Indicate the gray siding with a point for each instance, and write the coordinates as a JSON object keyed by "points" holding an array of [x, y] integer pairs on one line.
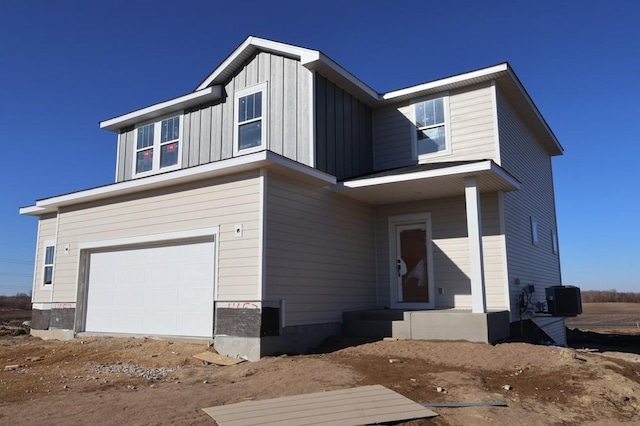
{"points": [[450, 250], [471, 126], [343, 132], [208, 130], [319, 252], [530, 163]]}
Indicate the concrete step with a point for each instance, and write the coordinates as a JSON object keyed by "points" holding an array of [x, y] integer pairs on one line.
{"points": [[376, 323]]}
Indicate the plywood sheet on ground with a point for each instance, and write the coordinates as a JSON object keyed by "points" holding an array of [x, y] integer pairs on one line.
{"points": [[355, 406], [214, 358]]}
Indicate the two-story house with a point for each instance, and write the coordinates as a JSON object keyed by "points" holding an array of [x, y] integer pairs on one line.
{"points": [[283, 192]]}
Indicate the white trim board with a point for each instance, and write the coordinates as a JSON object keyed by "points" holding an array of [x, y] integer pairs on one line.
{"points": [[152, 238], [220, 168], [163, 108]]}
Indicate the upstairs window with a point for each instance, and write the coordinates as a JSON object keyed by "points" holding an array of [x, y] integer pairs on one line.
{"points": [[49, 255], [431, 136], [250, 119], [157, 146]]}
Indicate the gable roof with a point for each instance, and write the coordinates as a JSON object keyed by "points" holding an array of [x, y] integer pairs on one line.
{"points": [[315, 60]]}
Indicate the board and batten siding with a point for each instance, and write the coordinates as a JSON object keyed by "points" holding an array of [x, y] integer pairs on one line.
{"points": [[46, 232], [472, 130], [208, 130], [319, 252], [221, 202], [450, 250], [529, 162], [343, 132]]}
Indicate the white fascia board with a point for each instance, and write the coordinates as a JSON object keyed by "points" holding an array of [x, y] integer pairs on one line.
{"points": [[305, 55], [219, 168], [535, 109], [163, 108], [352, 79], [483, 166], [446, 81]]}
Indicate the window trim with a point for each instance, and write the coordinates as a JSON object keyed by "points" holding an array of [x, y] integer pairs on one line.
{"points": [[45, 265], [261, 87], [535, 231], [422, 158], [157, 145]]}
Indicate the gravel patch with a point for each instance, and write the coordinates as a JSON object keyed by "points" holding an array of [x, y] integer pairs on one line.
{"points": [[134, 370]]}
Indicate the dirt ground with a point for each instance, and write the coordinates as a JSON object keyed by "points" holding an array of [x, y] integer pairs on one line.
{"points": [[149, 381]]}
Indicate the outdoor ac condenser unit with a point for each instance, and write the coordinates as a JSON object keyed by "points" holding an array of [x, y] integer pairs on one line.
{"points": [[564, 301]]}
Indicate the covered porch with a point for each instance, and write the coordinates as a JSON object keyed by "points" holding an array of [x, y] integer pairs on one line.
{"points": [[440, 253]]}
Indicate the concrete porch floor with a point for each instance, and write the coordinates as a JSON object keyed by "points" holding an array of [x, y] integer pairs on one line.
{"points": [[439, 324]]}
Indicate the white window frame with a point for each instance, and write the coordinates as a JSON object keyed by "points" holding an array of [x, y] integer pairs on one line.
{"points": [[262, 87], [423, 158], [535, 239], [45, 265], [554, 242], [157, 145]]}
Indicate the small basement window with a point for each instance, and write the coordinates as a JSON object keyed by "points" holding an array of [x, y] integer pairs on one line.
{"points": [[49, 255]]}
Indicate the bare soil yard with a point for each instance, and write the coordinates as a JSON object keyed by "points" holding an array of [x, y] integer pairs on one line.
{"points": [[148, 381]]}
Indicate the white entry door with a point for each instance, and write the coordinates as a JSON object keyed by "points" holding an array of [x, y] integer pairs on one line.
{"points": [[156, 290], [411, 269]]}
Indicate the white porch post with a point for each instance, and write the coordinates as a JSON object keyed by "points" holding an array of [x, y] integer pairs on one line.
{"points": [[476, 263]]}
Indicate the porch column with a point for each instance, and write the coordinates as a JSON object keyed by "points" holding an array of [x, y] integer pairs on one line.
{"points": [[474, 231]]}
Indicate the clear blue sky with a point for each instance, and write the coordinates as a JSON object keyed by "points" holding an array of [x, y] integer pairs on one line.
{"points": [[66, 65]]}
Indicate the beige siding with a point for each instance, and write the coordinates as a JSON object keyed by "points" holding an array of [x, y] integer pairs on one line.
{"points": [[46, 232], [528, 161], [450, 250], [471, 125], [208, 130], [221, 202], [319, 252]]}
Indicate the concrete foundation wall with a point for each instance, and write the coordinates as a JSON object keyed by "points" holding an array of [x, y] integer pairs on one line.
{"points": [[448, 325], [56, 318]]}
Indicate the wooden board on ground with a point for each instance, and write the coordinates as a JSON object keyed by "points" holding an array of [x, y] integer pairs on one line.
{"points": [[214, 358], [355, 406]]}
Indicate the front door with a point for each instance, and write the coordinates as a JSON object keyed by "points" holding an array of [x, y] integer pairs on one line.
{"points": [[411, 266]]}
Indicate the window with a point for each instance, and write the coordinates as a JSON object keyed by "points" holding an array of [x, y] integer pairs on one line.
{"points": [[157, 146], [49, 254], [534, 231], [554, 242], [431, 136], [250, 119]]}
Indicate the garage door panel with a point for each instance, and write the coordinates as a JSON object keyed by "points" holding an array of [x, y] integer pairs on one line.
{"points": [[164, 290]]}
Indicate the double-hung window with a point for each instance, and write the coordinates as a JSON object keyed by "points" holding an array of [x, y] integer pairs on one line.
{"points": [[250, 119], [157, 146], [49, 255], [431, 133]]}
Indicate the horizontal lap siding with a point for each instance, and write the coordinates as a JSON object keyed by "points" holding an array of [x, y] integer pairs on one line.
{"points": [[319, 252], [450, 250], [208, 130], [472, 129], [529, 162], [221, 202], [46, 232]]}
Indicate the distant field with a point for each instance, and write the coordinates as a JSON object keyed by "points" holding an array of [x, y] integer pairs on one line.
{"points": [[17, 314], [607, 315]]}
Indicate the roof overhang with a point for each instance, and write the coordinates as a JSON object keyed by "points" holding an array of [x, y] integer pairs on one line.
{"points": [[259, 160], [416, 183], [312, 59], [208, 94]]}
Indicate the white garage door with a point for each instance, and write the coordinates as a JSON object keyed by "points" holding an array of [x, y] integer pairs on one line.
{"points": [[163, 290]]}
